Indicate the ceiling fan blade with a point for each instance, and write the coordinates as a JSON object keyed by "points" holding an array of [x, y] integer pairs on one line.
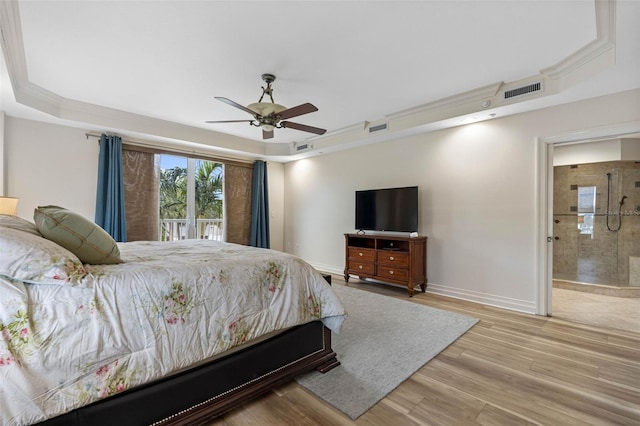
{"points": [[296, 111], [267, 135], [230, 121], [303, 127], [235, 104]]}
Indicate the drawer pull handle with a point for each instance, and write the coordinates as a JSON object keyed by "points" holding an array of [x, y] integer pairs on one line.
{"points": [[390, 257], [360, 266], [391, 272], [360, 254]]}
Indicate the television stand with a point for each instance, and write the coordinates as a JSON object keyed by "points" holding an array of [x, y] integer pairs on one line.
{"points": [[391, 259]]}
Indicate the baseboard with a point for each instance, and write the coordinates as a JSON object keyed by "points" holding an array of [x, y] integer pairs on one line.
{"points": [[519, 305], [328, 269], [511, 304]]}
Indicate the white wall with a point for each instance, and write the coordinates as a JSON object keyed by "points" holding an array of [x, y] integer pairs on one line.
{"points": [[477, 192], [477, 197], [50, 164], [2, 166], [275, 177], [631, 149], [625, 149], [590, 152]]}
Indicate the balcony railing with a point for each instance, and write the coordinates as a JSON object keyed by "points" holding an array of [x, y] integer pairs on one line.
{"points": [[176, 229]]}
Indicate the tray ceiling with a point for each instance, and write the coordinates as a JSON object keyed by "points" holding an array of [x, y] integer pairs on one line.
{"points": [[358, 61]]}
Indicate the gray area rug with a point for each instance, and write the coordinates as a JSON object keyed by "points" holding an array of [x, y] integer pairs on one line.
{"points": [[381, 344]]}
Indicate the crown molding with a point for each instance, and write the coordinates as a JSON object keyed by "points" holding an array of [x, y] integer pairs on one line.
{"points": [[603, 43], [598, 54], [611, 131], [474, 95], [12, 43], [41, 99]]}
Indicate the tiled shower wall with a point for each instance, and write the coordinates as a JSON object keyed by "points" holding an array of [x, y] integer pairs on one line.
{"points": [[601, 258]]}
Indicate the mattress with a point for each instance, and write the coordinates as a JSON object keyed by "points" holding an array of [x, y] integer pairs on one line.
{"points": [[168, 307]]}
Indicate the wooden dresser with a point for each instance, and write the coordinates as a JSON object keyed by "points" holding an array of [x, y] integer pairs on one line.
{"points": [[396, 260]]}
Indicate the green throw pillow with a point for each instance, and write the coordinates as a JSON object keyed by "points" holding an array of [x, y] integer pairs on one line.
{"points": [[79, 235]]}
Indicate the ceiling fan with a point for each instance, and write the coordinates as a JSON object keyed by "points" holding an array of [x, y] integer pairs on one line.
{"points": [[270, 115]]}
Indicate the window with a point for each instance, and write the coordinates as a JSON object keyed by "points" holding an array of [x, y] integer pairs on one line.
{"points": [[586, 209], [191, 198]]}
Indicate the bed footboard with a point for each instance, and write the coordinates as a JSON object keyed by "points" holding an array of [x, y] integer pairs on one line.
{"points": [[195, 396]]}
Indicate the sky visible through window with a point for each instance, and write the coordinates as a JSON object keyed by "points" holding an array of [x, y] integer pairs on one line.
{"points": [[171, 161]]}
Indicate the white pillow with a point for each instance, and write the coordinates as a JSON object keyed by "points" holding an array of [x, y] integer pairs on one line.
{"points": [[34, 259], [18, 223]]}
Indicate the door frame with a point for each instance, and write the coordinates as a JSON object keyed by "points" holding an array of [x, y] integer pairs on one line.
{"points": [[544, 199]]}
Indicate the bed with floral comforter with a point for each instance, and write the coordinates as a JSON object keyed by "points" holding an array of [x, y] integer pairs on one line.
{"points": [[91, 331]]}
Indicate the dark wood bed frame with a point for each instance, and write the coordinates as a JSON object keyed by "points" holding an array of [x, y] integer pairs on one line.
{"points": [[196, 396]]}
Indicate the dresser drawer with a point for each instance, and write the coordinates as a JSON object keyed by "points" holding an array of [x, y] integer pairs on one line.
{"points": [[356, 267], [393, 258], [392, 273], [387, 258], [362, 254]]}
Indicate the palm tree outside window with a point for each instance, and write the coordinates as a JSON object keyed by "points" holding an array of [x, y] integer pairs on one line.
{"points": [[191, 198]]}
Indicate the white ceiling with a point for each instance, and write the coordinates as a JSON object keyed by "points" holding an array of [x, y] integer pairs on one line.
{"points": [[357, 61]]}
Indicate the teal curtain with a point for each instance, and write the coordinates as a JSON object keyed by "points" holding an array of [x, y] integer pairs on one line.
{"points": [[110, 195], [260, 206]]}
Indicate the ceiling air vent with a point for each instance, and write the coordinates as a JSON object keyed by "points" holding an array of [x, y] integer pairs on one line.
{"points": [[299, 148], [378, 128], [524, 90]]}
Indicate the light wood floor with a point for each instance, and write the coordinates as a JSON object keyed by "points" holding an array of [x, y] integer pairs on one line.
{"points": [[509, 369], [597, 309]]}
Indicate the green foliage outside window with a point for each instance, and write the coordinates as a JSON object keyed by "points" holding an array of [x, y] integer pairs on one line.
{"points": [[173, 191]]}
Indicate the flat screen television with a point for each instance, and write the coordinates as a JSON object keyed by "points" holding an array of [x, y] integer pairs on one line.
{"points": [[390, 209]]}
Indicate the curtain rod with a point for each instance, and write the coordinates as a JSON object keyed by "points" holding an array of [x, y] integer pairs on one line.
{"points": [[171, 149], [92, 135]]}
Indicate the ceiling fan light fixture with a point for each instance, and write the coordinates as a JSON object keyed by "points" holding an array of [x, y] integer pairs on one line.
{"points": [[268, 123], [270, 115], [265, 109], [266, 112]]}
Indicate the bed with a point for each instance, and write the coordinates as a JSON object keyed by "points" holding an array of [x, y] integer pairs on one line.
{"points": [[171, 333]]}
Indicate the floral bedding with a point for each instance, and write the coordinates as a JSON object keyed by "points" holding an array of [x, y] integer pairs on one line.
{"points": [[168, 306]]}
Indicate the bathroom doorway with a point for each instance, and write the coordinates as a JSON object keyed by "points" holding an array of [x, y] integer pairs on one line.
{"points": [[549, 150], [596, 225]]}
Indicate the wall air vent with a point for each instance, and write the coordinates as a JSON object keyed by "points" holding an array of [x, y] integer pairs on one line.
{"points": [[524, 90], [378, 128], [302, 147]]}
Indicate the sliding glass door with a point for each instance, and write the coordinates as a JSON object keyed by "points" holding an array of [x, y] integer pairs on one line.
{"points": [[191, 198]]}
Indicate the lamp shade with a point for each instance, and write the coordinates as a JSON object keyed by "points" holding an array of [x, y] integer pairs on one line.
{"points": [[267, 110], [9, 205]]}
